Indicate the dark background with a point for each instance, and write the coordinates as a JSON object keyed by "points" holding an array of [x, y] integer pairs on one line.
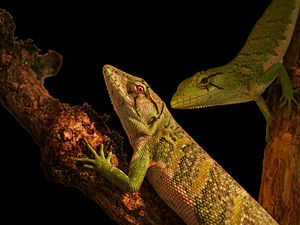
{"points": [[162, 45]]}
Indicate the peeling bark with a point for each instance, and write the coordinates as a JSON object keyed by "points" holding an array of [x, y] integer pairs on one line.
{"points": [[58, 130]]}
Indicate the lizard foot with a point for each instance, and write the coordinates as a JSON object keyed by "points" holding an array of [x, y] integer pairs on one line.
{"points": [[99, 163], [288, 97]]}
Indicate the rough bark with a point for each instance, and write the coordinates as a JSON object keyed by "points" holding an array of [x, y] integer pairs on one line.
{"points": [[58, 129], [280, 185]]}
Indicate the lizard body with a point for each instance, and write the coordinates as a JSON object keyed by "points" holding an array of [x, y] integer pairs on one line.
{"points": [[255, 67], [181, 172]]}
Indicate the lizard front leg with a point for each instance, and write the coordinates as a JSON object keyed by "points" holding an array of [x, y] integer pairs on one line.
{"points": [[266, 112], [287, 89], [287, 93], [131, 183]]}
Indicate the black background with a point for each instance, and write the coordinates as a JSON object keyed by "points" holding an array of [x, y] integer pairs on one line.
{"points": [[163, 45]]}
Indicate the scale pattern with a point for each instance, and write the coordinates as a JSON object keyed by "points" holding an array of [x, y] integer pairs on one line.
{"points": [[268, 40], [248, 75], [194, 185], [182, 173]]}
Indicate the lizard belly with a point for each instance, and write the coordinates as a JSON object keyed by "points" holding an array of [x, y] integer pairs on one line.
{"points": [[174, 196]]}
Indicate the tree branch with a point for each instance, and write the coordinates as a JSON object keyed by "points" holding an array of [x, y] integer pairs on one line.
{"points": [[58, 130], [280, 185]]}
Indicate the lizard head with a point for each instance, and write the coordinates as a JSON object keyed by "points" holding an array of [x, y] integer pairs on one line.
{"points": [[137, 106], [217, 86]]}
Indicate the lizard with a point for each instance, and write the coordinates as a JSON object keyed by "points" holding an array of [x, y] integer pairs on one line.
{"points": [[255, 67], [191, 183]]}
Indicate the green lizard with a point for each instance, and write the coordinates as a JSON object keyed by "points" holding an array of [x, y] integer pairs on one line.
{"points": [[182, 173], [255, 67]]}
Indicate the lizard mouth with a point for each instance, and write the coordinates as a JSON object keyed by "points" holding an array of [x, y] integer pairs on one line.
{"points": [[189, 102], [220, 97], [114, 85]]}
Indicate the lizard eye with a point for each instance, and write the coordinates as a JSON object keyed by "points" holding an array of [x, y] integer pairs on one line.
{"points": [[140, 89], [204, 80]]}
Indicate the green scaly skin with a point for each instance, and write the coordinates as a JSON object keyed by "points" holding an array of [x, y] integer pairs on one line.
{"points": [[181, 172], [255, 67]]}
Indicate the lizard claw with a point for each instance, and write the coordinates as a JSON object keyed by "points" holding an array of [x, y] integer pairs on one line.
{"points": [[289, 98], [99, 162]]}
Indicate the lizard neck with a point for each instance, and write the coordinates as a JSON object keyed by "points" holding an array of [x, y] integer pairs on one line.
{"points": [[167, 141]]}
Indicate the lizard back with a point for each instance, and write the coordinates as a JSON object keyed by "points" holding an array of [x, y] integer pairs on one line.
{"points": [[268, 40], [181, 172], [195, 186]]}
